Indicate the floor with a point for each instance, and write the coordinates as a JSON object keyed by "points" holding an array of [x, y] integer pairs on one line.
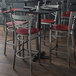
{"points": [[58, 67]]}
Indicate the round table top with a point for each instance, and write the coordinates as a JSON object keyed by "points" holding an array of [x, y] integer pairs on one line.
{"points": [[34, 11]]}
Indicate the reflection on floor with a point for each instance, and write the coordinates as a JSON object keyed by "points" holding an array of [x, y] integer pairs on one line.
{"points": [[58, 67]]}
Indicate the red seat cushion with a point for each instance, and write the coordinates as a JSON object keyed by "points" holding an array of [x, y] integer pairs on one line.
{"points": [[15, 9], [10, 23], [24, 31], [60, 27], [65, 15], [47, 20]]}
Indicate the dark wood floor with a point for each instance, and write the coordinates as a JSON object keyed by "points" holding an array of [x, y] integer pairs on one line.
{"points": [[58, 67]]}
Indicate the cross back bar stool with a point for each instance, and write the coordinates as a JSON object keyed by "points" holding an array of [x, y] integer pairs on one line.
{"points": [[21, 34], [50, 22], [69, 30], [45, 22], [9, 28]]}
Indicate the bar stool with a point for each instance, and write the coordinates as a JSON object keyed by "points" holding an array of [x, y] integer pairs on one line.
{"points": [[69, 31], [21, 34], [65, 17], [9, 28], [50, 22]]}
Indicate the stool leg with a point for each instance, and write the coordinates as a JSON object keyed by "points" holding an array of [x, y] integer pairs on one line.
{"points": [[6, 32], [73, 45], [27, 45], [30, 52], [13, 39], [50, 39], [15, 48], [68, 50], [27, 42], [44, 33], [56, 43], [23, 47]]}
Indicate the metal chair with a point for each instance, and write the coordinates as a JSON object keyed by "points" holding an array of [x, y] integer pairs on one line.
{"points": [[69, 32], [9, 28], [24, 34], [48, 23]]}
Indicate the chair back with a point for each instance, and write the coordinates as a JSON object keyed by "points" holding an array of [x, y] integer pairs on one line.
{"points": [[22, 16], [72, 21]]}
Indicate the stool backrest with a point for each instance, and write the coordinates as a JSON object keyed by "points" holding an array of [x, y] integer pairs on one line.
{"points": [[71, 20], [22, 16]]}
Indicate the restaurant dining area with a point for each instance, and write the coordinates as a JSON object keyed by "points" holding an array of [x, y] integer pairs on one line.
{"points": [[37, 37]]}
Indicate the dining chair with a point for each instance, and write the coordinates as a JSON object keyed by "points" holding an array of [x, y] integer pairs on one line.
{"points": [[68, 35]]}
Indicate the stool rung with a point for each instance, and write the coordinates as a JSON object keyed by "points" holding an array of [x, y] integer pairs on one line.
{"points": [[60, 52], [8, 42], [53, 48]]}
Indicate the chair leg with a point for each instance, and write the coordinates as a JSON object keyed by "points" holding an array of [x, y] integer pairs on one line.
{"points": [[27, 45], [73, 46], [15, 48], [56, 43], [27, 42], [30, 52], [44, 33], [5, 41], [68, 50], [13, 39], [23, 47], [14, 59], [50, 40]]}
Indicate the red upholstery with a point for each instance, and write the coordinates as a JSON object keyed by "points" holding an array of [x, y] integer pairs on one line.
{"points": [[67, 13], [47, 20], [24, 31], [6, 11], [9, 10], [10, 23], [15, 9], [60, 27], [0, 11]]}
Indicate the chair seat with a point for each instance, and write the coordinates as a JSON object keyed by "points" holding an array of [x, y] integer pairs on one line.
{"points": [[17, 22], [24, 31], [65, 15], [47, 20], [15, 9], [60, 27]]}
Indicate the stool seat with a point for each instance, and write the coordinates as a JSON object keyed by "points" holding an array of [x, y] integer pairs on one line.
{"points": [[24, 31], [60, 27], [17, 22], [47, 20], [65, 15]]}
